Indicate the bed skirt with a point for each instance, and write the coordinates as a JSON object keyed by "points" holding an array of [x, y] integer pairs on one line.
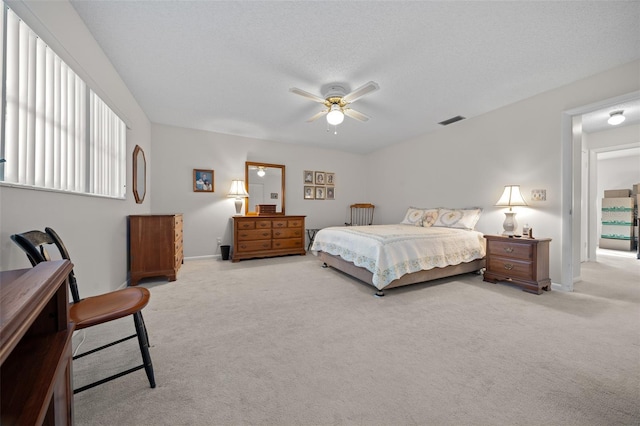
{"points": [[416, 277]]}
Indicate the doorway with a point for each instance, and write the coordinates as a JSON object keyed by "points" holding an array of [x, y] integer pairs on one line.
{"points": [[572, 187]]}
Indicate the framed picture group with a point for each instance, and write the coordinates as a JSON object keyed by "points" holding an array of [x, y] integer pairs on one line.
{"points": [[319, 185]]}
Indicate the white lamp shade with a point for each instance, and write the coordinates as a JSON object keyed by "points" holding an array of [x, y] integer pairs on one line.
{"points": [[237, 189], [511, 197], [335, 115]]}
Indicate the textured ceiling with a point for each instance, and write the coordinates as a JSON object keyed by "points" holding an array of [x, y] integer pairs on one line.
{"points": [[227, 66]]}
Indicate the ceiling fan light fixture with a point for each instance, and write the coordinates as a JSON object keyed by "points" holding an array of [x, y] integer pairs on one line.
{"points": [[616, 117], [335, 115]]}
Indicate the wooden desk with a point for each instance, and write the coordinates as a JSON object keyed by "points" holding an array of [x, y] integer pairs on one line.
{"points": [[35, 346]]}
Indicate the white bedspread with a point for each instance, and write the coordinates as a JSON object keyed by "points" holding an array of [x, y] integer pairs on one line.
{"points": [[391, 251]]}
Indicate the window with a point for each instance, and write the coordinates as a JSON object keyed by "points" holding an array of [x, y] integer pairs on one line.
{"points": [[56, 132]]}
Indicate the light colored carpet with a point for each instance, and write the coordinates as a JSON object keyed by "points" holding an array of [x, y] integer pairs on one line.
{"points": [[283, 341]]}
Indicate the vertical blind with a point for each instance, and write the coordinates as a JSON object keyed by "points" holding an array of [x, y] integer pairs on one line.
{"points": [[58, 133]]}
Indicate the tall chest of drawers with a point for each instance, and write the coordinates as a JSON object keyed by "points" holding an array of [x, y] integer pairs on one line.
{"points": [[267, 236], [520, 261], [155, 246]]}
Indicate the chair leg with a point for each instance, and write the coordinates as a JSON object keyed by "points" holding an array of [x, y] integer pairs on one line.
{"points": [[143, 340]]}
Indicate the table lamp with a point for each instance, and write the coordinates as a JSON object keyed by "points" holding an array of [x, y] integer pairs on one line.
{"points": [[510, 197], [238, 192]]}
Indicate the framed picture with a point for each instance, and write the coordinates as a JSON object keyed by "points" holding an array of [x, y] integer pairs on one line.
{"points": [[320, 178], [331, 193], [308, 177], [320, 192], [202, 180], [308, 193], [330, 178]]}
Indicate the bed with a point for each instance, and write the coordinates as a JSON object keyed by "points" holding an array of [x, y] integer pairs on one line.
{"points": [[421, 248]]}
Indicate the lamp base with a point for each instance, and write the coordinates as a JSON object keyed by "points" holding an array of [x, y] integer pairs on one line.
{"points": [[238, 206], [510, 225]]}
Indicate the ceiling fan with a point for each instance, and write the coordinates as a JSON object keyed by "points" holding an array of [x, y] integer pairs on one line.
{"points": [[337, 102]]}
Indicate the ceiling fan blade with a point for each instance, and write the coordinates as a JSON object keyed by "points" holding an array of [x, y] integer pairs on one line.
{"points": [[361, 91], [355, 114], [318, 115], [306, 94]]}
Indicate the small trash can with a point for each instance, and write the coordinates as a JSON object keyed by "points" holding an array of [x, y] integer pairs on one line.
{"points": [[224, 251]]}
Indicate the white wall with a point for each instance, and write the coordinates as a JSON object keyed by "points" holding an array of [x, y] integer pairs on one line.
{"points": [[618, 173], [469, 162], [94, 229], [177, 151]]}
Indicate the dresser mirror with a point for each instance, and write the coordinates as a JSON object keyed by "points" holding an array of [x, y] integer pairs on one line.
{"points": [[139, 174], [265, 185]]}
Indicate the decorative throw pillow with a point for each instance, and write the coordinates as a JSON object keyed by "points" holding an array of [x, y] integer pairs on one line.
{"points": [[429, 218], [458, 218], [413, 217]]}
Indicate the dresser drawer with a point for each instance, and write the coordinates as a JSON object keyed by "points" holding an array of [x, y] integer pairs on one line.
{"points": [[512, 250], [295, 223], [248, 246], [263, 224], [511, 267], [246, 224], [254, 234], [287, 233], [279, 223], [287, 243]]}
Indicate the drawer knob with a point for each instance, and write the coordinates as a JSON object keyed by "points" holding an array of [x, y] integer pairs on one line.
{"points": [[508, 266], [508, 249]]}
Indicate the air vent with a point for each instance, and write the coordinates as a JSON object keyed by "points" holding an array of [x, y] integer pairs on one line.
{"points": [[452, 120]]}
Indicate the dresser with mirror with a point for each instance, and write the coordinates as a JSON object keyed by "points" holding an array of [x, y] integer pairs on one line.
{"points": [[265, 230]]}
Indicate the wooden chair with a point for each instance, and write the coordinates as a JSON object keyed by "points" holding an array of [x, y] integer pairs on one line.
{"points": [[361, 214], [97, 309]]}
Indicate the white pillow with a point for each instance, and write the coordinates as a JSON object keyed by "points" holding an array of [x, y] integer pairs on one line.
{"points": [[458, 218], [413, 217]]}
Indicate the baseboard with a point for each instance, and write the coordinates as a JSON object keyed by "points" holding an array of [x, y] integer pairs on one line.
{"points": [[211, 256]]}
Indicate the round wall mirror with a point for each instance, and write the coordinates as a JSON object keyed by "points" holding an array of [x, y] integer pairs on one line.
{"points": [[139, 174]]}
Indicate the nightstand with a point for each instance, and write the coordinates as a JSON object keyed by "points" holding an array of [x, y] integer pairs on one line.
{"points": [[520, 261]]}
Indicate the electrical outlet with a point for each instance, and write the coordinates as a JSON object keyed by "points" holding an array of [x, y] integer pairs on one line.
{"points": [[219, 240]]}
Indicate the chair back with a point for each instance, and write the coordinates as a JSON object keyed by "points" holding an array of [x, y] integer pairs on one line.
{"points": [[34, 243], [361, 214]]}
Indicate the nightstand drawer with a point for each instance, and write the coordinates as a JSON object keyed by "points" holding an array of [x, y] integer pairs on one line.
{"points": [[512, 250], [511, 267]]}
